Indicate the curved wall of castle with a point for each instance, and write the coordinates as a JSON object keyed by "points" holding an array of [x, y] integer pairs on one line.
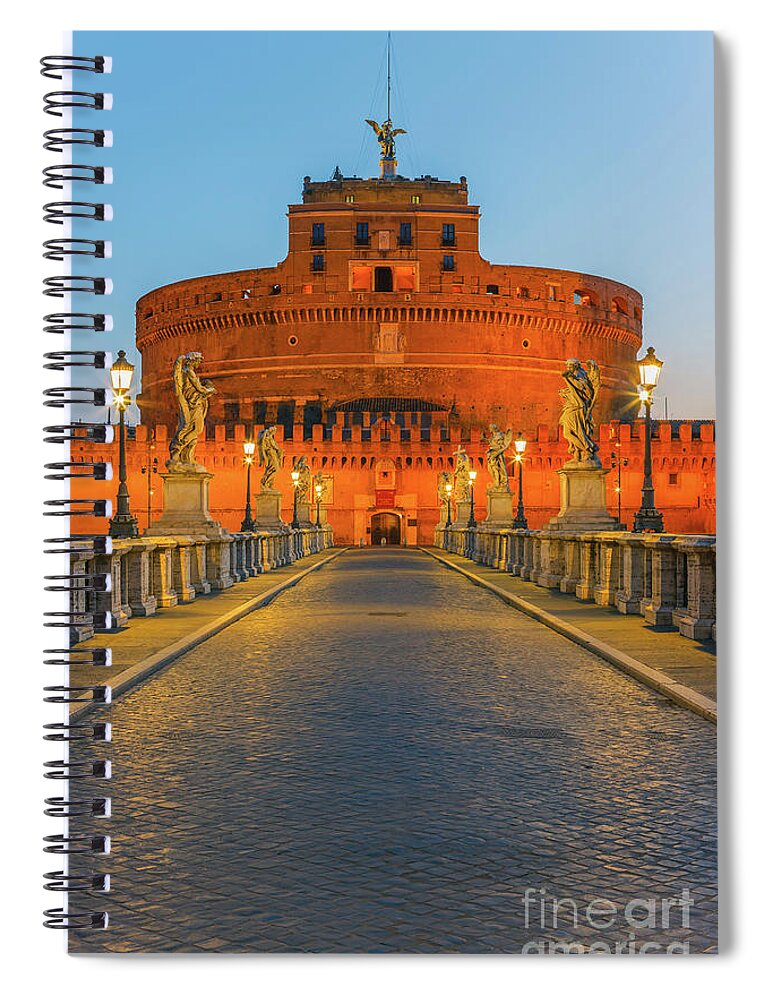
{"points": [[495, 357]]}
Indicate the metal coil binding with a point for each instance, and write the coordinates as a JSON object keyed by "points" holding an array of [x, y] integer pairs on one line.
{"points": [[88, 840], [57, 138], [94, 322]]}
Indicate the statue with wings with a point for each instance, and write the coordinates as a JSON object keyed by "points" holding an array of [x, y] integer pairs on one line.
{"points": [[192, 395], [499, 443], [270, 457], [578, 401], [386, 136], [305, 481]]}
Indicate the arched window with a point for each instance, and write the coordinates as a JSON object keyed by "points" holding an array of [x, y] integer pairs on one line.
{"points": [[582, 297], [620, 305]]}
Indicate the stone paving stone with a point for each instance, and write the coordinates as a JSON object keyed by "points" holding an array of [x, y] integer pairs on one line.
{"points": [[332, 773], [144, 636]]}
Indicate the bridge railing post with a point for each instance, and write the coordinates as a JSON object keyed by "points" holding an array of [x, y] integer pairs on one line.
{"points": [[630, 594], [609, 558], [659, 609], [697, 619]]}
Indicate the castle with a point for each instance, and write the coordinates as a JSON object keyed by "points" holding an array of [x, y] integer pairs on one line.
{"points": [[382, 341]]}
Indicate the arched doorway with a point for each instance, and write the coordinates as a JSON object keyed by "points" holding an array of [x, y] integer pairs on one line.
{"points": [[386, 526]]}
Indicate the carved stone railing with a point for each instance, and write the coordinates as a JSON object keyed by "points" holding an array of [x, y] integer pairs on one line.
{"points": [[146, 575], [670, 580]]}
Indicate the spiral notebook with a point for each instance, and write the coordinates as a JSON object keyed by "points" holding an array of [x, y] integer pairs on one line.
{"points": [[388, 614]]}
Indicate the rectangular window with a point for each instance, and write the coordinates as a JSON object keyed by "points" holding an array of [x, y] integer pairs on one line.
{"points": [[232, 413], [405, 234], [362, 234], [673, 479], [319, 235], [350, 198], [286, 418], [449, 262], [551, 289], [259, 411], [448, 234], [318, 262], [311, 415], [493, 289], [415, 199]]}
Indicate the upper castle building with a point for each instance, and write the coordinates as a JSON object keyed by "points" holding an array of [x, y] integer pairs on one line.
{"points": [[383, 341], [384, 303]]}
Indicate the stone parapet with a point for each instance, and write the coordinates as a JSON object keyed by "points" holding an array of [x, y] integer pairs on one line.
{"points": [[150, 574], [669, 580]]}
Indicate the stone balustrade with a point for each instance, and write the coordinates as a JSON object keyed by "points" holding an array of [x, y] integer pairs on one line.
{"points": [[148, 574], [670, 580]]}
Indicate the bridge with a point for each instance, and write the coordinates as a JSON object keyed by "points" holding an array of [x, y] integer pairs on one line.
{"points": [[376, 749]]}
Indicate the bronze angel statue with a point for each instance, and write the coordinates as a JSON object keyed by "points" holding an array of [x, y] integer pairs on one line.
{"points": [[386, 136], [192, 394], [577, 416]]}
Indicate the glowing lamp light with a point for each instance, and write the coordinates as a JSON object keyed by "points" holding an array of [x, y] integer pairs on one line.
{"points": [[121, 374], [649, 370], [448, 488], [644, 395], [473, 473], [295, 477], [248, 450], [520, 444], [319, 490]]}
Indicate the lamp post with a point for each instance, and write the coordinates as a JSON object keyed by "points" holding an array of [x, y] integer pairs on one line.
{"points": [[448, 488], [318, 494], [472, 515], [150, 470], [648, 518], [247, 524], [122, 525], [520, 446], [618, 463], [295, 481]]}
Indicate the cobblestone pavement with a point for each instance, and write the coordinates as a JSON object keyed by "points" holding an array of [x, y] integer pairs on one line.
{"points": [[387, 758]]}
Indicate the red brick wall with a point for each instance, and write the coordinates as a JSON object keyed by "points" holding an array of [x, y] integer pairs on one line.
{"points": [[688, 503]]}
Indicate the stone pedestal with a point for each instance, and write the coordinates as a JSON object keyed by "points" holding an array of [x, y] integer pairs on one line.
{"points": [[186, 506], [267, 511], [499, 509], [463, 514], [303, 513], [388, 168], [583, 497]]}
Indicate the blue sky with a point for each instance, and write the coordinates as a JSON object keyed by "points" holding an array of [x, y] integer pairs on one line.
{"points": [[590, 151]]}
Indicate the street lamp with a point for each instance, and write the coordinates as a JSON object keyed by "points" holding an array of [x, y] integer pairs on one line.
{"points": [[295, 481], [448, 488], [318, 494], [122, 525], [648, 518], [520, 446], [472, 516], [247, 524], [618, 463], [150, 470]]}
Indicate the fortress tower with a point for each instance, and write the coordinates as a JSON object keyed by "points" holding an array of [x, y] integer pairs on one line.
{"points": [[384, 302], [384, 340]]}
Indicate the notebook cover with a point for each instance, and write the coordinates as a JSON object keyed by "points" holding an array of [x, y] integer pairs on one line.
{"points": [[392, 611]]}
